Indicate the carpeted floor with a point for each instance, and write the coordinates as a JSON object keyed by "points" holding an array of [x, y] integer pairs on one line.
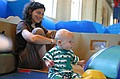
{"points": [[35, 74], [25, 75]]}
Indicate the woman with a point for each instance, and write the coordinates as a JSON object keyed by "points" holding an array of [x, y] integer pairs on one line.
{"points": [[32, 37]]}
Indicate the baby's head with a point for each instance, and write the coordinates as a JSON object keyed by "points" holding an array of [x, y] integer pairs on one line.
{"points": [[65, 39]]}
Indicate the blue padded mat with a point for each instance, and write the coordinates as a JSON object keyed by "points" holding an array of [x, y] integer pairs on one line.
{"points": [[107, 61], [25, 75]]}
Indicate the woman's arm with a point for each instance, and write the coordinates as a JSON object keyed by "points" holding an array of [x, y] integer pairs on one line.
{"points": [[37, 39]]}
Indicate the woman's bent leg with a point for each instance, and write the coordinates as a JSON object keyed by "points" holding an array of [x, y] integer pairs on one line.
{"points": [[31, 57], [41, 50]]}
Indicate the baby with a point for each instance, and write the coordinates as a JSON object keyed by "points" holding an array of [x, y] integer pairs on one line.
{"points": [[60, 57]]}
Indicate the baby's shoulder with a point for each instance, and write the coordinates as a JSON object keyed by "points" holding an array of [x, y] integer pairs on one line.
{"points": [[53, 49]]}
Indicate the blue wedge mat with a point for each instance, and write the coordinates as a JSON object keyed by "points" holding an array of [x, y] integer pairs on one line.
{"points": [[107, 61], [25, 75]]}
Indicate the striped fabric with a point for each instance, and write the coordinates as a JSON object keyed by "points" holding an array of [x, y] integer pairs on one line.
{"points": [[62, 63]]}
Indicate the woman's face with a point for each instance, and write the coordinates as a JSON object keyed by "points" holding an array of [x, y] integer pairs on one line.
{"points": [[37, 15]]}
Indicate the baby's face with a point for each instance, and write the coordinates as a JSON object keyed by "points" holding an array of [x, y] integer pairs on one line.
{"points": [[67, 43]]}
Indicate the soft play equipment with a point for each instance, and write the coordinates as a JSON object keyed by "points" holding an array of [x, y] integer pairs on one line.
{"points": [[12, 8], [113, 29], [26, 75], [48, 23], [7, 62], [7, 59], [15, 8], [118, 74], [3, 5], [84, 26], [5, 43], [93, 74], [107, 61]]}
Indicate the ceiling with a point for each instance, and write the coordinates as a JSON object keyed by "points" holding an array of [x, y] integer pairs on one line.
{"points": [[111, 3]]}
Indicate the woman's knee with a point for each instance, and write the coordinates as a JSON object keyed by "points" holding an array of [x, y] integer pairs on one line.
{"points": [[38, 31]]}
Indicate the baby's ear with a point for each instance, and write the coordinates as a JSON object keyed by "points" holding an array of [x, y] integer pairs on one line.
{"points": [[59, 42]]}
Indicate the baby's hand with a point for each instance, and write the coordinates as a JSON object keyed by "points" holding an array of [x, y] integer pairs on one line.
{"points": [[82, 63], [49, 63], [64, 77]]}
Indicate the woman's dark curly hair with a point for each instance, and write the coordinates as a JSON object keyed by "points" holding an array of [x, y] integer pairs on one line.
{"points": [[30, 7]]}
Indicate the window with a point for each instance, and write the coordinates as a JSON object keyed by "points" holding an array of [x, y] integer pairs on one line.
{"points": [[111, 18], [76, 8], [50, 6]]}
